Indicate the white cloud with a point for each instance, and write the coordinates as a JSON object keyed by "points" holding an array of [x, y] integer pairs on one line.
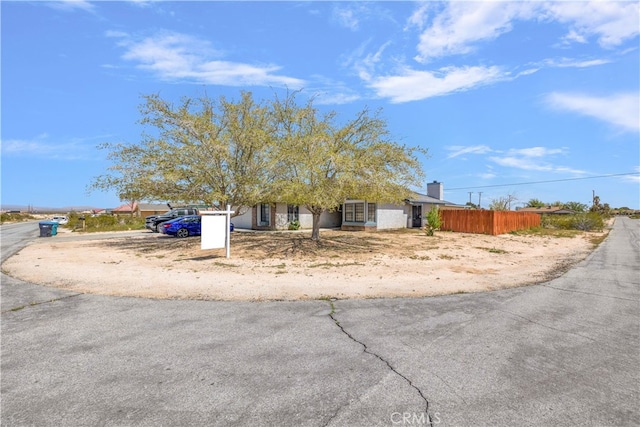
{"points": [[346, 17], [533, 159], [174, 56], [620, 110], [611, 23], [71, 5], [536, 151], [573, 63], [414, 85], [41, 146], [461, 26], [457, 150]]}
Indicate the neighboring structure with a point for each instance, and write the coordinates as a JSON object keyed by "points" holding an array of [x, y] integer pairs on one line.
{"points": [[126, 209], [146, 209], [552, 210]]}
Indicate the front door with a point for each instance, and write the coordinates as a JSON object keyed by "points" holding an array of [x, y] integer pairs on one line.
{"points": [[416, 214]]}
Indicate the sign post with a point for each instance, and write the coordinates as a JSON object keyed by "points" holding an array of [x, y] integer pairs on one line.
{"points": [[215, 232]]}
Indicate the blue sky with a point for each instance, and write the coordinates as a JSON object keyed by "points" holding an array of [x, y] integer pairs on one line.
{"points": [[533, 99]]}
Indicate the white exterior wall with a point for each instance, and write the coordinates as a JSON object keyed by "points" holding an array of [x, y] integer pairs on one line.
{"points": [[391, 216], [327, 219], [243, 221], [281, 217]]}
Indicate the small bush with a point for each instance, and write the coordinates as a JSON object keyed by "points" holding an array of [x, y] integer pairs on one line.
{"points": [[294, 225], [15, 217], [590, 221], [105, 223], [434, 222]]}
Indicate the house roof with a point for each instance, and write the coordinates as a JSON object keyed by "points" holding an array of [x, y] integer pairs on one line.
{"points": [[153, 207], [547, 210], [125, 208], [418, 198]]}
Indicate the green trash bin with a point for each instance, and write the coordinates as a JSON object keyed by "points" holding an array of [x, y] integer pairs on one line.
{"points": [[54, 228]]}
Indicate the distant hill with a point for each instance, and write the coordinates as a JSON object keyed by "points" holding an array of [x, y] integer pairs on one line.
{"points": [[36, 209]]}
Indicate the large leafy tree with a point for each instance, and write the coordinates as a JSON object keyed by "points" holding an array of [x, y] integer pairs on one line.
{"points": [[321, 162], [200, 151]]}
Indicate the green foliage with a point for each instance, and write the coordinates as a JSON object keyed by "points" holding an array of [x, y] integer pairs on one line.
{"points": [[434, 221], [320, 162], [535, 203], [105, 223], [294, 225], [15, 217], [576, 207], [243, 153], [589, 221]]}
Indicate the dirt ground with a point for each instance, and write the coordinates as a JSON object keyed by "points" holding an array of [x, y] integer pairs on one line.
{"points": [[289, 266]]}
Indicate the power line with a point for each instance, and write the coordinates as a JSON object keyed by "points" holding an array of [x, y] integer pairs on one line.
{"points": [[544, 182]]}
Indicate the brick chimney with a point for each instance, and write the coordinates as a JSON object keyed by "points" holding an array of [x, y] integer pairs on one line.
{"points": [[435, 189]]}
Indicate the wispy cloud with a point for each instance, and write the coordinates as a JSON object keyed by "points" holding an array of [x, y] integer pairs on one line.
{"points": [[346, 17], [574, 63], [179, 57], [42, 146], [534, 159], [457, 150], [620, 110], [71, 5], [414, 85]]}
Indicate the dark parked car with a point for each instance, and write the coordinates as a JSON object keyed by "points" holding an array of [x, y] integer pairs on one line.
{"points": [[153, 222], [185, 226]]}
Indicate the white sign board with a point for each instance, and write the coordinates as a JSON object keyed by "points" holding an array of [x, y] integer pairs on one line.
{"points": [[215, 229], [214, 232]]}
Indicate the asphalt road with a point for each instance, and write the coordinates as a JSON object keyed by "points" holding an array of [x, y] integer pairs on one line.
{"points": [[562, 353]]}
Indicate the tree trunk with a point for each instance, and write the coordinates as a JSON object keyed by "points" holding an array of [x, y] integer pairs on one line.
{"points": [[315, 230]]}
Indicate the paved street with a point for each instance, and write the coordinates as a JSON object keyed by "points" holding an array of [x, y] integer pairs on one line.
{"points": [[562, 353]]}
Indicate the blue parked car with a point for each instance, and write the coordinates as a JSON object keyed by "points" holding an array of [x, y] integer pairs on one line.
{"points": [[184, 226]]}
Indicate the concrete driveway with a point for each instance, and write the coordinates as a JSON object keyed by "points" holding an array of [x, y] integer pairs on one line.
{"points": [[562, 353]]}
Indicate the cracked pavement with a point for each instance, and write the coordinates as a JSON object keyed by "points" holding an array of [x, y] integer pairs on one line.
{"points": [[563, 353]]}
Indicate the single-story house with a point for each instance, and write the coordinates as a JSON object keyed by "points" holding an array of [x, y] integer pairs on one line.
{"points": [[146, 209], [552, 210], [125, 209], [353, 214]]}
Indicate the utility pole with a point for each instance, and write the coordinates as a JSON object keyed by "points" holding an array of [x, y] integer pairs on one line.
{"points": [[479, 199], [470, 193]]}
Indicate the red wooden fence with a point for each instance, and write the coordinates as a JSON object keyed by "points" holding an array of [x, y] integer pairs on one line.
{"points": [[487, 222]]}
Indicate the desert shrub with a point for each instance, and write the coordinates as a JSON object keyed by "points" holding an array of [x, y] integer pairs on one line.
{"points": [[105, 223], [15, 217], [589, 221], [294, 225], [434, 222]]}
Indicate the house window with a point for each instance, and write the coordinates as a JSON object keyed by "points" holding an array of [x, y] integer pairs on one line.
{"points": [[348, 212], [371, 212], [354, 212], [265, 210], [359, 212], [293, 213]]}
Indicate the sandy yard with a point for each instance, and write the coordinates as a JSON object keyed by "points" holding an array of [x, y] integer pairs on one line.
{"points": [[289, 266]]}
